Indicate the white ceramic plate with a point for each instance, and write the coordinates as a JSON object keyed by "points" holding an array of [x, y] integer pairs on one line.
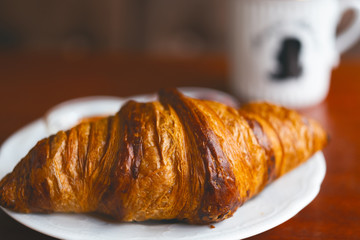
{"points": [[277, 203]]}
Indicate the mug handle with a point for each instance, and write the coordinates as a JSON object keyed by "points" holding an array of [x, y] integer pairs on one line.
{"points": [[348, 37]]}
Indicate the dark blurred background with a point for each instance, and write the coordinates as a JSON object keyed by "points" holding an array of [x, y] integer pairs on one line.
{"points": [[184, 27]]}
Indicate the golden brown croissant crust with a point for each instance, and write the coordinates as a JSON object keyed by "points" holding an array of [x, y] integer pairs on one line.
{"points": [[176, 158]]}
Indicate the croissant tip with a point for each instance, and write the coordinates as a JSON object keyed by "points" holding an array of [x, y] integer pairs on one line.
{"points": [[5, 199], [170, 90]]}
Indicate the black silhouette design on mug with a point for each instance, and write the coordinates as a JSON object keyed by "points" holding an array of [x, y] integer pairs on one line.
{"points": [[288, 60]]}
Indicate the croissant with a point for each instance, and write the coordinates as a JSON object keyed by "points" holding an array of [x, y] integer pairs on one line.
{"points": [[177, 158]]}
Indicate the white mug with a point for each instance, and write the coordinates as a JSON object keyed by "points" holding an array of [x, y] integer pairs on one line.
{"points": [[283, 51]]}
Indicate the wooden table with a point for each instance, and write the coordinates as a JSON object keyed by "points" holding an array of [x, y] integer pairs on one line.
{"points": [[32, 83]]}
